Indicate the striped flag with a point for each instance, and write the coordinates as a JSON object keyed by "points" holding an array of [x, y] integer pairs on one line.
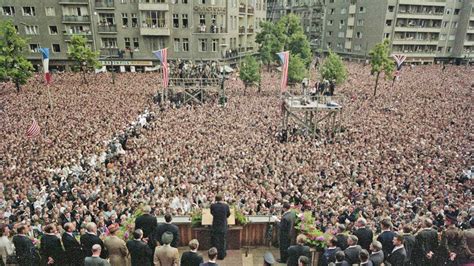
{"points": [[34, 130], [399, 59], [45, 53], [162, 55], [284, 58]]}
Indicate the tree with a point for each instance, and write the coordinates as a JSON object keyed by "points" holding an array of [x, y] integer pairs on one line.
{"points": [[333, 68], [381, 61], [296, 70], [83, 55], [269, 39], [13, 64], [249, 71]]}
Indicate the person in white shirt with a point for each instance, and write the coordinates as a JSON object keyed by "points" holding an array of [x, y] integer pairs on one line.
{"points": [[6, 246]]}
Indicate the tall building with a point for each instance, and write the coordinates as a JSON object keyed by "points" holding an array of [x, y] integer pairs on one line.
{"points": [[424, 30], [129, 30], [311, 13]]}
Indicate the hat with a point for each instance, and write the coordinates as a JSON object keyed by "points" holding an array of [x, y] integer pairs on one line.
{"points": [[268, 258], [113, 227]]}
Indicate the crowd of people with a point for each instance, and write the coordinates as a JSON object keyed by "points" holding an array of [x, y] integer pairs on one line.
{"points": [[400, 157]]}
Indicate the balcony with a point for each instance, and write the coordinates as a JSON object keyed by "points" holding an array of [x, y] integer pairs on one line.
{"points": [[352, 9], [104, 5], [153, 6], [155, 31], [76, 19], [408, 41], [242, 9], [88, 36], [250, 30], [107, 29], [250, 10], [211, 30], [109, 52], [417, 29], [435, 16], [241, 30], [73, 2]]}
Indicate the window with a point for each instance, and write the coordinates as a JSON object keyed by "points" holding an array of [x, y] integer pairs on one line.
{"points": [[202, 19], [203, 2], [31, 30], [184, 1], [330, 22], [391, 8], [454, 25], [341, 23], [176, 44], [448, 11], [445, 24], [136, 44], [359, 35], [361, 9], [452, 37], [340, 34], [53, 30], [185, 20], [331, 11], [123, 1], [329, 33], [175, 21], [29, 11], [450, 49], [360, 22], [456, 11], [134, 20], [8, 10], [34, 47], [388, 22], [331, 1], [124, 20], [202, 45], [343, 11], [50, 11], [56, 48], [185, 44], [386, 36], [127, 42], [442, 37], [106, 19], [109, 43], [213, 2], [357, 47], [215, 45]]}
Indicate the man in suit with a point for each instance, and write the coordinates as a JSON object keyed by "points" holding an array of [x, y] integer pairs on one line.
{"points": [[386, 237], [469, 235], [364, 258], [89, 239], [287, 231], [329, 254], [453, 242], [166, 255], [341, 259], [220, 212], [409, 243], [191, 257], [398, 255], [426, 244], [140, 252], [95, 259], [352, 251], [341, 237], [74, 253], [212, 254], [364, 234], [146, 222], [295, 251], [25, 250], [51, 249], [166, 227], [376, 256]]}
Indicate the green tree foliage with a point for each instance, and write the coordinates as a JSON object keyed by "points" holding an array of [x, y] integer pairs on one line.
{"points": [[83, 55], [249, 71], [296, 70], [269, 40], [333, 68], [13, 64], [381, 62]]}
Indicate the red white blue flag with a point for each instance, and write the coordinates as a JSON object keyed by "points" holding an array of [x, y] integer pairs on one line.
{"points": [[285, 59], [34, 130], [162, 55], [45, 53]]}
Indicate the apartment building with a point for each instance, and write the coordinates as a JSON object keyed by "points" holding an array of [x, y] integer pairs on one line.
{"points": [[424, 30], [311, 13], [127, 31]]}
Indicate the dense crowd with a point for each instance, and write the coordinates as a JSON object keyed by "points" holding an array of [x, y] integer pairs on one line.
{"points": [[401, 155]]}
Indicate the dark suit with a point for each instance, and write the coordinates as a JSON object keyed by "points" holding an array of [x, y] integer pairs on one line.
{"points": [[352, 254], [140, 252], [88, 240], [398, 257], [190, 258], [377, 258], [453, 240], [25, 251], [365, 237], [409, 243], [208, 264], [425, 241], [51, 247], [341, 241], [295, 251], [386, 238], [74, 254], [161, 229], [220, 211], [287, 233], [147, 223], [329, 255]]}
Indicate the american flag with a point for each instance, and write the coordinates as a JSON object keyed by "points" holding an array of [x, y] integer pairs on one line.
{"points": [[284, 58], [399, 59], [162, 55], [34, 130]]}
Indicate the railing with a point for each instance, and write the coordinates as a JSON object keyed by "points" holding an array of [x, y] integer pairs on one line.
{"points": [[109, 52], [250, 30], [242, 9], [112, 28], [105, 4], [250, 10], [88, 36], [242, 30], [73, 18]]}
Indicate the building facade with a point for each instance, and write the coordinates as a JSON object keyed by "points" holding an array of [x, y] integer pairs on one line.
{"points": [[424, 30], [127, 31]]}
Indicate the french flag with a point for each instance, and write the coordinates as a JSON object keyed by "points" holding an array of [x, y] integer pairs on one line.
{"points": [[47, 75]]}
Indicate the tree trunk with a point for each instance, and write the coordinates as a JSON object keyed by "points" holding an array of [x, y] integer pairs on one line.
{"points": [[245, 89], [376, 83], [84, 79], [259, 87], [17, 85]]}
